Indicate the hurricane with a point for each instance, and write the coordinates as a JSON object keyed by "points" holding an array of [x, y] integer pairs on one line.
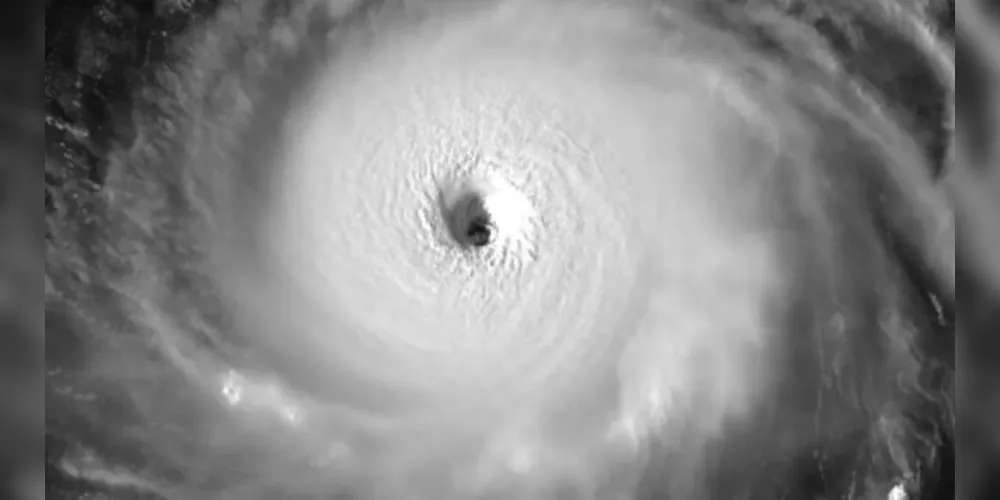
{"points": [[513, 249]]}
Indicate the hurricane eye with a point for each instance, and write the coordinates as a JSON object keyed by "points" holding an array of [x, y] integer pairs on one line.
{"points": [[470, 223]]}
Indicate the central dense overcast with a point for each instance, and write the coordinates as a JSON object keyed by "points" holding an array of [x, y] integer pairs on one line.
{"points": [[620, 230]]}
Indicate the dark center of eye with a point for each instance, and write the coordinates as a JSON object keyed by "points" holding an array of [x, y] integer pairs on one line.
{"points": [[479, 232]]}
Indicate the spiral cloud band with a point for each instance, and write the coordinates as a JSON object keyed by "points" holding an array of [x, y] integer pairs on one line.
{"points": [[523, 250]]}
